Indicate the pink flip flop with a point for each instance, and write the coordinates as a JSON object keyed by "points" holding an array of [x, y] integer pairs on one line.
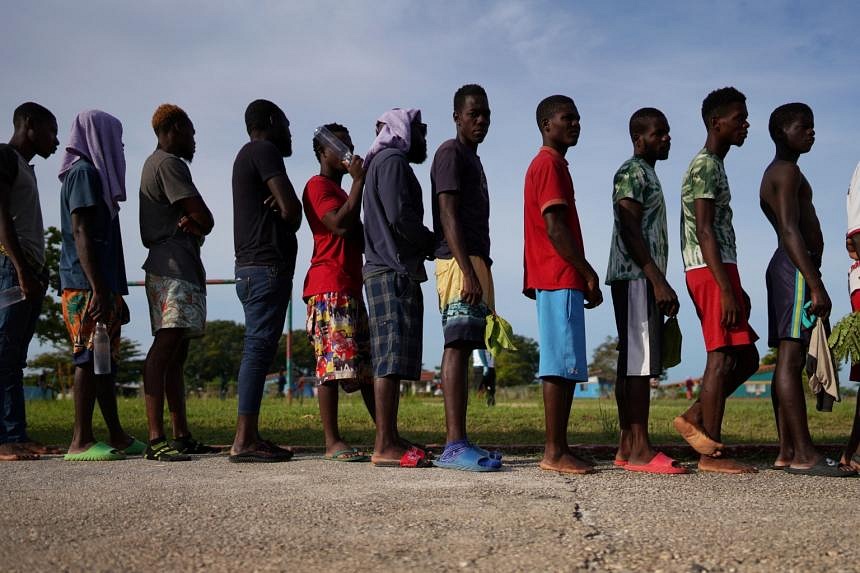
{"points": [[619, 463], [659, 464]]}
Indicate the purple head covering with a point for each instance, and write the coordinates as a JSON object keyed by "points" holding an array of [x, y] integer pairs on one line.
{"points": [[97, 137], [396, 133]]}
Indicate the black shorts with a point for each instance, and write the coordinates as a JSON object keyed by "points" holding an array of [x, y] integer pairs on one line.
{"points": [[639, 324], [787, 294]]}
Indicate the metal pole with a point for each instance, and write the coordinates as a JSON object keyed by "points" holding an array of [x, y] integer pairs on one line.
{"points": [[290, 342]]}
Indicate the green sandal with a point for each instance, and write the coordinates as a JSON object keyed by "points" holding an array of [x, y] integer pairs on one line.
{"points": [[98, 452], [135, 448]]}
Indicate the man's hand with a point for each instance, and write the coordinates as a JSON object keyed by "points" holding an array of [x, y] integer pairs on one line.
{"points": [[101, 307], [666, 297], [30, 285], [190, 226], [355, 167], [272, 204], [471, 293], [821, 304], [731, 310], [593, 296]]}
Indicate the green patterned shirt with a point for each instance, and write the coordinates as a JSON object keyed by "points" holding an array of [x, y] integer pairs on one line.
{"points": [[706, 179], [636, 180]]}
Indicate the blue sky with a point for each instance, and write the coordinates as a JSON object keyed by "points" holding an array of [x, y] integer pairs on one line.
{"points": [[350, 61]]}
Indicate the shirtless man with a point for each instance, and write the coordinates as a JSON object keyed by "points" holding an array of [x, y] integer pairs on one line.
{"points": [[793, 279]]}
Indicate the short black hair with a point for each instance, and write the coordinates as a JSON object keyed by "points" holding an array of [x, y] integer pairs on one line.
{"points": [[784, 115], [642, 118], [332, 127], [549, 106], [465, 91], [31, 110], [716, 102], [258, 112]]}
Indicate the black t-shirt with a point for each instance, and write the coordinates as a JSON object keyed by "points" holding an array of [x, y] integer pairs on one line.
{"points": [[260, 236], [457, 169], [8, 164]]}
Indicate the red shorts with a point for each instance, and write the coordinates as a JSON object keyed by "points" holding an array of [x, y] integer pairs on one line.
{"points": [[705, 293]]}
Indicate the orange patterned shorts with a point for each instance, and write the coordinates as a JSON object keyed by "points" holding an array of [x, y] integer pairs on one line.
{"points": [[81, 327]]}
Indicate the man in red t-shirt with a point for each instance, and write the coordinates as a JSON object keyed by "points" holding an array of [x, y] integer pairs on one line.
{"points": [[337, 318], [558, 277]]}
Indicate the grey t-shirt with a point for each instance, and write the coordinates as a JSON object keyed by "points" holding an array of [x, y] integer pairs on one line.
{"points": [[24, 205], [395, 237], [165, 180]]}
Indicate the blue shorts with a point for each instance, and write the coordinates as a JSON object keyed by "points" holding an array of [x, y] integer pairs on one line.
{"points": [[561, 328]]}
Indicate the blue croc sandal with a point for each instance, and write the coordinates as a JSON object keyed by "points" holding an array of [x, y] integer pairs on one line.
{"points": [[494, 455], [464, 456]]}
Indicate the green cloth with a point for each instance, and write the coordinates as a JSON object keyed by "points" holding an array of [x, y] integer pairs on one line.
{"points": [[498, 335], [637, 180], [706, 179]]}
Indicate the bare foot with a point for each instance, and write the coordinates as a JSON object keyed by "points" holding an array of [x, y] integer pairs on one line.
{"points": [[343, 450], [39, 448], [16, 453], [696, 437], [122, 443], [566, 463], [724, 466], [388, 455], [853, 462]]}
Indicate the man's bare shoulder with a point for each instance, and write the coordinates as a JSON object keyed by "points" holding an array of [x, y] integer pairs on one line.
{"points": [[781, 176]]}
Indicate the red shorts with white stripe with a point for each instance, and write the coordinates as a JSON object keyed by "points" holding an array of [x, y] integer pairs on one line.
{"points": [[705, 292]]}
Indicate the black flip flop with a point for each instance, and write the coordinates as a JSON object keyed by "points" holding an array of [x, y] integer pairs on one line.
{"points": [[258, 457], [825, 467]]}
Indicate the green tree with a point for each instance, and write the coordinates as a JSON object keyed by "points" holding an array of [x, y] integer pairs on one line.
{"points": [[604, 360], [217, 354], [51, 329], [516, 367], [769, 358], [303, 353], [130, 367]]}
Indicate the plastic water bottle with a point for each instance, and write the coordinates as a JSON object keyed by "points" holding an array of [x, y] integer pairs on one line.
{"points": [[328, 139], [101, 349], [10, 296]]}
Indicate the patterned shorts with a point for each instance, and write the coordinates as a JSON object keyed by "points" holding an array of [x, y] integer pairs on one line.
{"points": [[395, 306], [81, 326], [175, 303], [463, 322], [337, 327]]}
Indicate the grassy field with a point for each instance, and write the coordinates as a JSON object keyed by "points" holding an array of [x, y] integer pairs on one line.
{"points": [[422, 419]]}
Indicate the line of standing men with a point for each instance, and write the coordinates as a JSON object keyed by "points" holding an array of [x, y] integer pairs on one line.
{"points": [[374, 355]]}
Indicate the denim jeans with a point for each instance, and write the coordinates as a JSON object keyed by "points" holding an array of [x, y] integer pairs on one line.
{"points": [[264, 292], [17, 324]]}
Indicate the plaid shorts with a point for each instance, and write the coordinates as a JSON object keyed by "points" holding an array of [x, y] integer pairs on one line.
{"points": [[337, 327], [395, 306], [175, 303]]}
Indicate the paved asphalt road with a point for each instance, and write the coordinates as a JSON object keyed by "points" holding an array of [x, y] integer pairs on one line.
{"points": [[313, 515]]}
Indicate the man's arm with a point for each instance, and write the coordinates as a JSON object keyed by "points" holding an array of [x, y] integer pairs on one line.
{"points": [[27, 280], [101, 304], [783, 200], [343, 220], [559, 233], [198, 218], [630, 218], [471, 293], [731, 307], [284, 200]]}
